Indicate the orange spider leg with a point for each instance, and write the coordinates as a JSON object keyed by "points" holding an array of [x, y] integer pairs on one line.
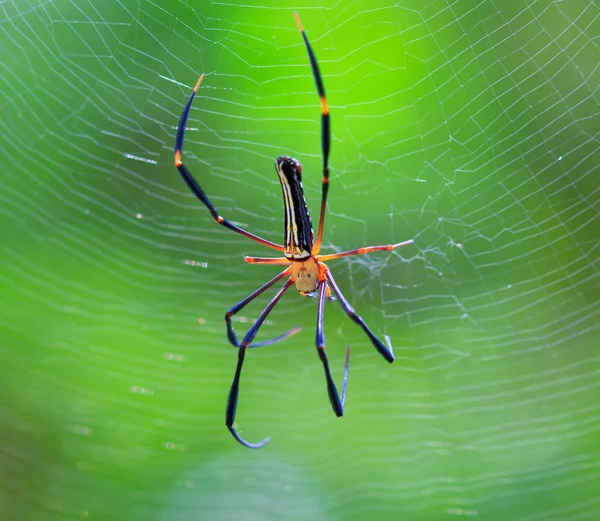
{"points": [[278, 261], [362, 251]]}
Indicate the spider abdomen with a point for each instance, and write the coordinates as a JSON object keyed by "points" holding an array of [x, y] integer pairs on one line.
{"points": [[298, 231]]}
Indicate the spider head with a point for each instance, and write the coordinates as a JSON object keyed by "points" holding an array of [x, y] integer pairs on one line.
{"points": [[306, 275]]}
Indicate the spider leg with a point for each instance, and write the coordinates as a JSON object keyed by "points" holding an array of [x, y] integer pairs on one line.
{"points": [[195, 187], [383, 350], [325, 134], [328, 293], [235, 386], [283, 336], [362, 251], [279, 261], [235, 309], [336, 402]]}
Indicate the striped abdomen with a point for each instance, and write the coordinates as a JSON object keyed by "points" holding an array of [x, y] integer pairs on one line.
{"points": [[298, 235]]}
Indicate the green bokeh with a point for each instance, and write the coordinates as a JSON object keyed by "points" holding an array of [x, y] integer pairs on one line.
{"points": [[471, 129]]}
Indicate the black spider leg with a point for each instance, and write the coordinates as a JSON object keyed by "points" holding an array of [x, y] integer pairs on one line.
{"points": [[383, 350], [232, 400], [240, 305], [336, 402], [195, 187], [325, 133]]}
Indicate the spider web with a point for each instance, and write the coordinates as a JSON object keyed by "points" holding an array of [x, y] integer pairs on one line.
{"points": [[470, 127]]}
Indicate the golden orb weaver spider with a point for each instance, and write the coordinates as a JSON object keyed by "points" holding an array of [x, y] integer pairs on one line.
{"points": [[304, 266]]}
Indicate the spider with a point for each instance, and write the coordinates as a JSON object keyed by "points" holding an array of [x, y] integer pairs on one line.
{"points": [[303, 264]]}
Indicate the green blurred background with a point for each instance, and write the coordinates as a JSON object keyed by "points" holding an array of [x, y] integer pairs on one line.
{"points": [[470, 127]]}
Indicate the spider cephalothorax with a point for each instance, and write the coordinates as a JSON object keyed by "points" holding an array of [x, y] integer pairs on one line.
{"points": [[307, 274]]}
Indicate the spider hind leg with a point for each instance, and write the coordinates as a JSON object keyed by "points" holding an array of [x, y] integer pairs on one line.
{"points": [[337, 402]]}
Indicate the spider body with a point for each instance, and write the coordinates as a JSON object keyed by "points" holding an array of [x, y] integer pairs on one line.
{"points": [[308, 274], [298, 231], [298, 238], [304, 267]]}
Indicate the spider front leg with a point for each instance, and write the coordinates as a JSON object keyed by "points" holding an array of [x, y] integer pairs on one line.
{"points": [[193, 185], [325, 133], [336, 402], [234, 392]]}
